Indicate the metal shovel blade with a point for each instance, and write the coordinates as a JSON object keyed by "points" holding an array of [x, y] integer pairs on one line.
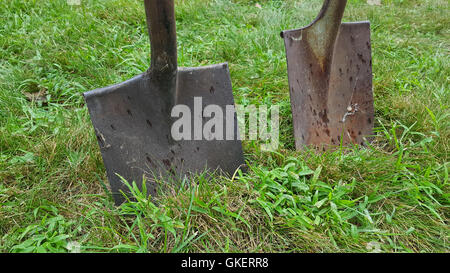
{"points": [[330, 79], [134, 131], [132, 120]]}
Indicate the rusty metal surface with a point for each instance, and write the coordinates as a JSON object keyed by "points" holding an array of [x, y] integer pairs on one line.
{"points": [[132, 119], [330, 79]]}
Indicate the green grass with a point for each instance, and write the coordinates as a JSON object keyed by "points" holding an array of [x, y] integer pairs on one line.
{"points": [[394, 194]]}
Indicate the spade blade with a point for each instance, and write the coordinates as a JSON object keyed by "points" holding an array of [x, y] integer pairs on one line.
{"points": [[133, 128]]}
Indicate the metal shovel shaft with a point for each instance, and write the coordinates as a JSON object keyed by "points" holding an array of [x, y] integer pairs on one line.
{"points": [[163, 41], [162, 31], [321, 34]]}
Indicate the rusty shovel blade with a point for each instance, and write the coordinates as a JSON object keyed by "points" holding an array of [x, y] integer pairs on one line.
{"points": [[330, 80], [132, 120]]}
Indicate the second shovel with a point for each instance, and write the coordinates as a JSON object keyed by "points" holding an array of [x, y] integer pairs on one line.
{"points": [[330, 79]]}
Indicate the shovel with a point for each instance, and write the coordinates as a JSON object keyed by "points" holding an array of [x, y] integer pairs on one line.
{"points": [[133, 119], [330, 80]]}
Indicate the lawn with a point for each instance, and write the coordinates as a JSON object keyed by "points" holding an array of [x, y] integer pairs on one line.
{"points": [[392, 196]]}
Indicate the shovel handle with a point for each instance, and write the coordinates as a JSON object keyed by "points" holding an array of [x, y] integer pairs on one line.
{"points": [[324, 29], [163, 38], [331, 15]]}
